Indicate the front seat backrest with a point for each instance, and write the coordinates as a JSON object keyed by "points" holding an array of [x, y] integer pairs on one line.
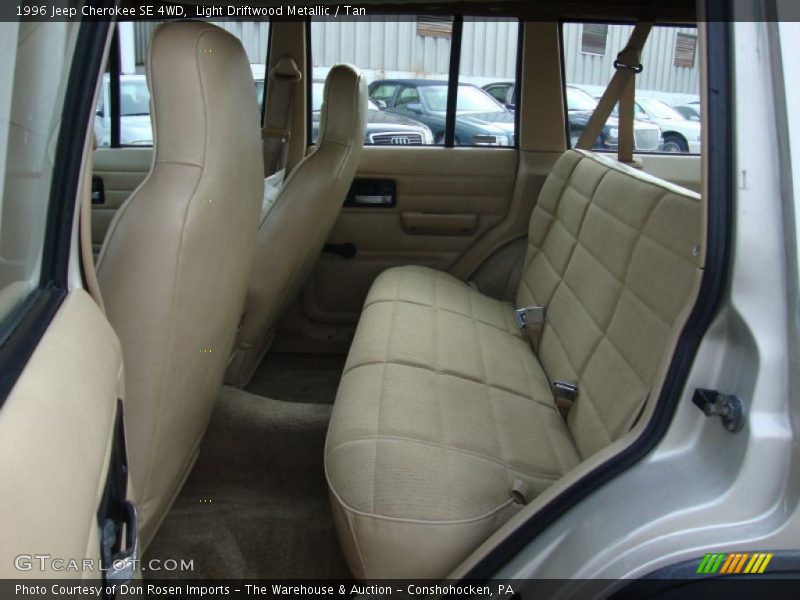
{"points": [[294, 232], [173, 269]]}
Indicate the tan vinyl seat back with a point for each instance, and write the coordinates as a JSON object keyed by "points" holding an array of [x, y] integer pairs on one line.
{"points": [[174, 266], [612, 255], [295, 230]]}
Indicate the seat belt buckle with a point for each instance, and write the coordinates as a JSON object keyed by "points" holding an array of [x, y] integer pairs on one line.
{"points": [[565, 394], [533, 315]]}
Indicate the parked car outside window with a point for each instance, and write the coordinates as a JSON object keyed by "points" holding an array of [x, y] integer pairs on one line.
{"points": [[135, 128], [504, 92], [647, 135], [580, 106], [134, 100], [383, 128], [690, 111], [480, 119], [680, 134]]}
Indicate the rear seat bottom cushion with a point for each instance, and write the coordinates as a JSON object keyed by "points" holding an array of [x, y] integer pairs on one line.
{"points": [[442, 410]]}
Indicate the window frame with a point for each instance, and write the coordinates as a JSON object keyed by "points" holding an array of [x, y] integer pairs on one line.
{"points": [[24, 327]]}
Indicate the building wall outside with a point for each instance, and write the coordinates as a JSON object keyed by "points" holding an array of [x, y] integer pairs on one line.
{"points": [[393, 49], [384, 49]]}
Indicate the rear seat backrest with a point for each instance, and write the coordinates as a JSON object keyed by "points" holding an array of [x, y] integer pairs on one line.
{"points": [[612, 257]]}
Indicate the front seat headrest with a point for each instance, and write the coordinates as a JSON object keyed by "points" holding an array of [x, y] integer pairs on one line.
{"points": [[196, 74], [344, 102]]}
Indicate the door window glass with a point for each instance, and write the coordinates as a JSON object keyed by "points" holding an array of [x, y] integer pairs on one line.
{"points": [[133, 43], [30, 113], [667, 110], [413, 55]]}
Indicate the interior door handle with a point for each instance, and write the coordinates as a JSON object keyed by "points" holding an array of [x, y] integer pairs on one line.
{"points": [[383, 200], [372, 193]]}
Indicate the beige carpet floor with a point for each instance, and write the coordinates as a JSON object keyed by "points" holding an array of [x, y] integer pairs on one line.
{"points": [[256, 503], [298, 377]]}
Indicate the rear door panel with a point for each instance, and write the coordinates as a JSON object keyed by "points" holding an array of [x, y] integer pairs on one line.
{"points": [[121, 170], [56, 433], [681, 169], [447, 199]]}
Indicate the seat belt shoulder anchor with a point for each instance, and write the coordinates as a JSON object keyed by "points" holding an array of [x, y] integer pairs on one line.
{"points": [[283, 134], [621, 65]]}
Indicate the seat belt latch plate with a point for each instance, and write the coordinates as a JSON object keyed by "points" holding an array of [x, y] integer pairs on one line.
{"points": [[565, 395], [530, 319], [565, 389]]}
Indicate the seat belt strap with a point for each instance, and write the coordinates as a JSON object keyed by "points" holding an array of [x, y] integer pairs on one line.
{"points": [[276, 133], [626, 135], [530, 319], [622, 89]]}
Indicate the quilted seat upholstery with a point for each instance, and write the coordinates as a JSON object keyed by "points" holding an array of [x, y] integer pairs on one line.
{"points": [[445, 425]]}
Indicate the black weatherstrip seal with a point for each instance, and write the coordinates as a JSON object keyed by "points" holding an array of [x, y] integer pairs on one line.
{"points": [[26, 326], [309, 85], [114, 108], [266, 75], [452, 82], [518, 81], [712, 287]]}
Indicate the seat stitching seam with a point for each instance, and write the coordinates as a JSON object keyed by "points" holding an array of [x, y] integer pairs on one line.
{"points": [[599, 416], [551, 445], [438, 400], [449, 310], [448, 374], [380, 404], [488, 390], [604, 332], [493, 459], [564, 348], [561, 275], [466, 521], [351, 527], [623, 287], [565, 183], [163, 382]]}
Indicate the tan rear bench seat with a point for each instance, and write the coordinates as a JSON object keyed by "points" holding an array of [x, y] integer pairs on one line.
{"points": [[445, 416]]}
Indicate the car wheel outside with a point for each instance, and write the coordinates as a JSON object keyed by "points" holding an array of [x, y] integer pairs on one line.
{"points": [[675, 144]]}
